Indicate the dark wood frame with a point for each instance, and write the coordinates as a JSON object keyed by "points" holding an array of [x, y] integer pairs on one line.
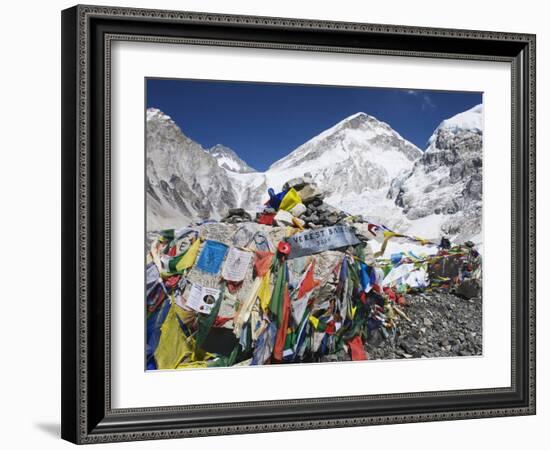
{"points": [[87, 33]]}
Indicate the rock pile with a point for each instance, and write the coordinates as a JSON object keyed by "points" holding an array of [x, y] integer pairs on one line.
{"points": [[237, 215]]}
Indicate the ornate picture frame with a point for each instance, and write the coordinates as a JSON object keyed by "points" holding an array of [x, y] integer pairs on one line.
{"points": [[88, 33]]}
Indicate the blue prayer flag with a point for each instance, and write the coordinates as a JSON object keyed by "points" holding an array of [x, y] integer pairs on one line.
{"points": [[364, 277], [211, 257], [396, 257]]}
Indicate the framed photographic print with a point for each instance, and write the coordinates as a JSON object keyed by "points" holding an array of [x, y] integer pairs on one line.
{"points": [[283, 224]]}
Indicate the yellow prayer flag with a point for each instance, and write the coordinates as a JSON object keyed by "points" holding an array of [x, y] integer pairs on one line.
{"points": [[193, 365], [190, 256], [173, 345], [314, 321], [187, 317], [264, 293], [290, 200], [246, 308]]}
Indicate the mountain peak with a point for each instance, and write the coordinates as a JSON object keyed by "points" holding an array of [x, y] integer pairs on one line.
{"points": [[470, 120], [356, 139], [229, 160], [220, 148], [356, 120], [358, 115], [155, 113]]}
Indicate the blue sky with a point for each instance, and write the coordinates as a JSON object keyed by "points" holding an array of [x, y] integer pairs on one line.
{"points": [[262, 122]]}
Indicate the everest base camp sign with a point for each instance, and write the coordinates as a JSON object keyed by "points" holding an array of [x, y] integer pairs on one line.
{"points": [[316, 241]]}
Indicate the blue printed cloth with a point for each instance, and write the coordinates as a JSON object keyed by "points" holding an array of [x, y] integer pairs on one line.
{"points": [[212, 256]]}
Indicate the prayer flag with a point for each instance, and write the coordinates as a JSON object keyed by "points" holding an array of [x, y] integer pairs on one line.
{"points": [[211, 257]]}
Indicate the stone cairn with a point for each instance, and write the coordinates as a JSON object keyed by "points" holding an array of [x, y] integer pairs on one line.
{"points": [[310, 213]]}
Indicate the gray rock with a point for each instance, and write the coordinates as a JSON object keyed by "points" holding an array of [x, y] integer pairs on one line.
{"points": [[331, 219], [315, 202], [297, 183], [237, 215], [469, 288], [237, 212], [335, 357], [409, 345], [310, 194], [375, 338], [314, 218]]}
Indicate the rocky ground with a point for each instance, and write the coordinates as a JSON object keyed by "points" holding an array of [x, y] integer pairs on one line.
{"points": [[442, 325]]}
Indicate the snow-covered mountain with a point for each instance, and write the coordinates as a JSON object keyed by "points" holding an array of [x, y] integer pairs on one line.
{"points": [[445, 185], [354, 163], [362, 164], [358, 157], [184, 182], [228, 159], [357, 154]]}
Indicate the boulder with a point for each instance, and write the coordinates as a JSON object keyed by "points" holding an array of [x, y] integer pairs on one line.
{"points": [[283, 218], [310, 194], [297, 183], [469, 288], [237, 215], [298, 210]]}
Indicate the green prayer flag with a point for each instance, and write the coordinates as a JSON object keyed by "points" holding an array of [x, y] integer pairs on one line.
{"points": [[353, 274], [205, 323], [174, 262], [167, 234], [276, 304]]}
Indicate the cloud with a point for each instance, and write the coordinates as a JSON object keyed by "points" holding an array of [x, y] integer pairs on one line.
{"points": [[427, 102]]}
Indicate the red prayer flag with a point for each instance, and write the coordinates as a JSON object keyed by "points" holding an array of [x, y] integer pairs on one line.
{"points": [[233, 286], [331, 327], [356, 349], [262, 262], [281, 332], [221, 321], [391, 295], [172, 281], [159, 297], [266, 219], [309, 282]]}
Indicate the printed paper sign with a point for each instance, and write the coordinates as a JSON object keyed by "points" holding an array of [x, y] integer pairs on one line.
{"points": [[236, 264], [316, 241], [202, 299]]}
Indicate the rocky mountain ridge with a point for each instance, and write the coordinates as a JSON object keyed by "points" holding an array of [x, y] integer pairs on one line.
{"points": [[447, 180]]}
